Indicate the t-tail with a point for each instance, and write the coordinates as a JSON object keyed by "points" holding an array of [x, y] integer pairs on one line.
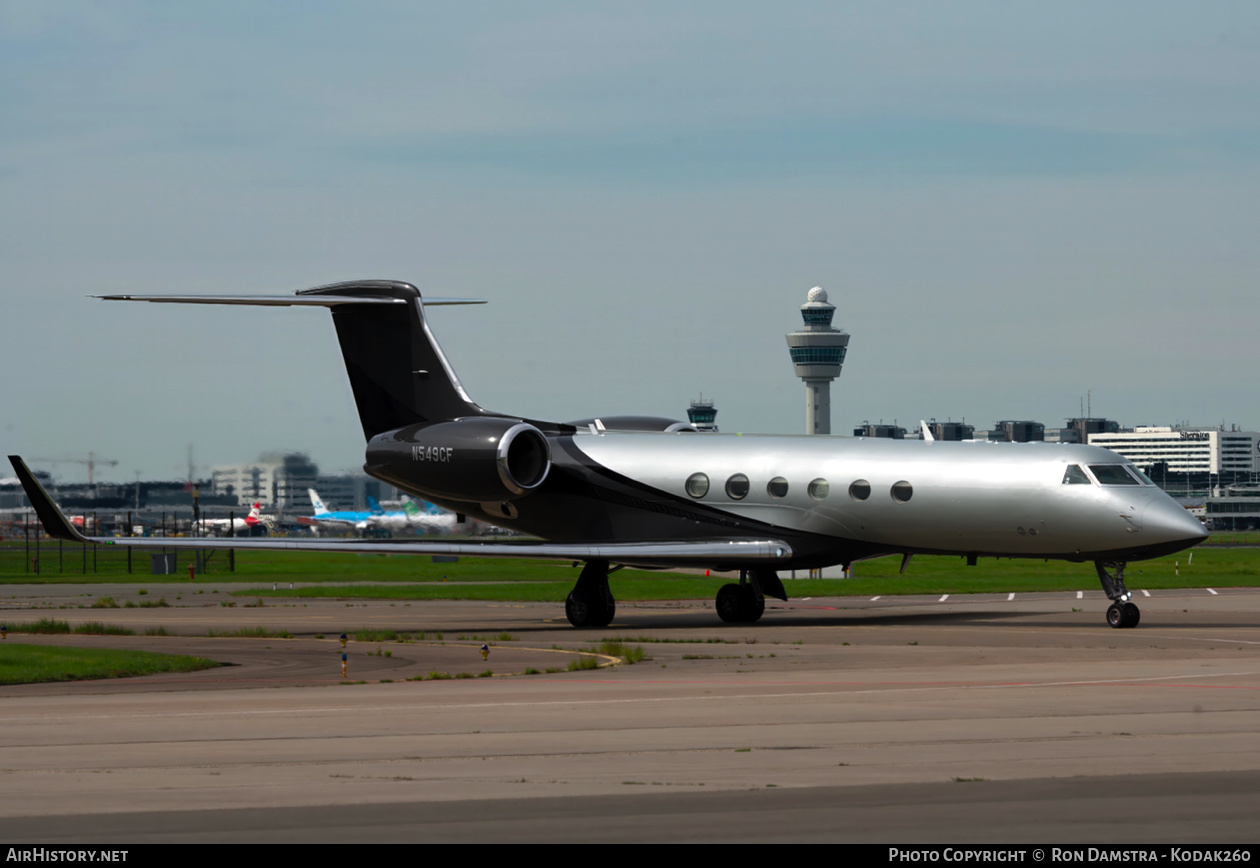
{"points": [[413, 409], [398, 373]]}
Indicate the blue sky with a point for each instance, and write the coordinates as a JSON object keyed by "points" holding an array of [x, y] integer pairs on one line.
{"points": [[1010, 204]]}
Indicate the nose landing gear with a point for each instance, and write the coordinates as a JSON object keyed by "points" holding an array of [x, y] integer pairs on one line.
{"points": [[1121, 613]]}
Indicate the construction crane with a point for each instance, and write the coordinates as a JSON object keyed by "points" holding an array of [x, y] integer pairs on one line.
{"points": [[91, 461]]}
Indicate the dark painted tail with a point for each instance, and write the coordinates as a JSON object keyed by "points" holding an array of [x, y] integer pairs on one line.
{"points": [[397, 370]]}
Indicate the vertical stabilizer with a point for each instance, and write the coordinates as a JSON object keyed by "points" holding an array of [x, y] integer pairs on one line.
{"points": [[397, 370]]}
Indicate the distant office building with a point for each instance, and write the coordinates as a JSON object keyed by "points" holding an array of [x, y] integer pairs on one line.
{"points": [[1238, 508], [1092, 425], [1008, 431], [818, 352], [951, 430], [1185, 450], [703, 415], [890, 432], [13, 497], [1078, 430], [278, 482]]}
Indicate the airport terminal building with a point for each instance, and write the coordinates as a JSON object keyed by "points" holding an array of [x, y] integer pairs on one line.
{"points": [[1186, 450], [280, 482], [1236, 508]]}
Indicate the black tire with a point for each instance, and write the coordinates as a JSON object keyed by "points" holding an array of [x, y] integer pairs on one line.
{"points": [[584, 612], [577, 611], [1116, 616], [753, 605], [729, 604], [605, 615], [1134, 614]]}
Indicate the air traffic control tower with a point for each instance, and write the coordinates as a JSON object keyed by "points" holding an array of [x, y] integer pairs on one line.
{"points": [[703, 415], [817, 355]]}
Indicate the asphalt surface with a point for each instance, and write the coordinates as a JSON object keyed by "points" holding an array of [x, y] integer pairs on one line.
{"points": [[976, 719]]}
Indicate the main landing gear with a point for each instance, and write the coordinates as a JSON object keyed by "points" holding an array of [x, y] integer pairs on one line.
{"points": [[746, 602], [591, 603], [1121, 613]]}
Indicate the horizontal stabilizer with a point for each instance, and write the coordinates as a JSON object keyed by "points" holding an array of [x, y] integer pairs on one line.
{"points": [[397, 371], [283, 300]]}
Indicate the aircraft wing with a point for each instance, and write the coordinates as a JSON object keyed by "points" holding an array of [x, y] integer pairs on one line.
{"points": [[711, 553]]}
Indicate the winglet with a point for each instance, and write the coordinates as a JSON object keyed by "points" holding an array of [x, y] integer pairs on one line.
{"points": [[54, 521], [927, 432]]}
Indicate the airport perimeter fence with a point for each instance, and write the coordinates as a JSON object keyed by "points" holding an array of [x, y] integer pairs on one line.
{"points": [[26, 552]]}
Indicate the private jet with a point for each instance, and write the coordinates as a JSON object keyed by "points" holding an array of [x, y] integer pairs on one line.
{"points": [[650, 492]]}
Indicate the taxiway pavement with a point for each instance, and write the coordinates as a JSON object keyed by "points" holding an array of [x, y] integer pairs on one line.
{"points": [[898, 720]]}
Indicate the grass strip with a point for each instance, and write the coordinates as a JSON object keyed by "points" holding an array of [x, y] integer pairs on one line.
{"points": [[89, 628], [410, 577], [30, 664], [926, 574]]}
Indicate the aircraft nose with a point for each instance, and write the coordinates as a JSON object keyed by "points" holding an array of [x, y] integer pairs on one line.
{"points": [[1168, 522]]}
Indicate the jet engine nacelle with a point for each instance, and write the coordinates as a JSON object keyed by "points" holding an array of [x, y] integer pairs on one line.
{"points": [[475, 458]]}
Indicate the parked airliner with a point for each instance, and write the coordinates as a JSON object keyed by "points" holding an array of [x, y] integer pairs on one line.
{"points": [[326, 517], [412, 517], [645, 491], [232, 525]]}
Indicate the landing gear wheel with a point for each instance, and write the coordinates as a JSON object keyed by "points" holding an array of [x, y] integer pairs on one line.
{"points": [[591, 603], [608, 612], [1134, 613], [1123, 615], [576, 610], [1116, 616], [729, 600], [584, 612], [739, 604], [754, 605]]}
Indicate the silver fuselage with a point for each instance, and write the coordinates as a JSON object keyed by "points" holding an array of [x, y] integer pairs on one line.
{"points": [[981, 498]]}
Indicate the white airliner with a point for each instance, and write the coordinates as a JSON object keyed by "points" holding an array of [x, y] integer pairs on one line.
{"points": [[326, 517], [232, 525], [645, 491], [412, 517]]}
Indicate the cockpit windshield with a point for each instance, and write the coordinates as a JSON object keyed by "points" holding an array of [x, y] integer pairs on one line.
{"points": [[1113, 474], [1075, 476]]}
